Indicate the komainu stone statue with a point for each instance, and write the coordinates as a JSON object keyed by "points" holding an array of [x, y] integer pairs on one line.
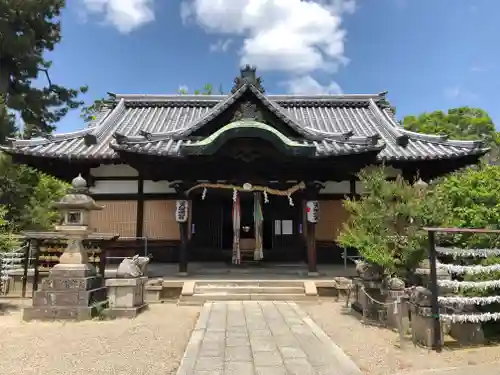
{"points": [[368, 271], [132, 267]]}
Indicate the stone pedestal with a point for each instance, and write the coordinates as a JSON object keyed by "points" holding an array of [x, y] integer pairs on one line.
{"points": [[366, 305], [397, 317], [467, 333], [422, 325], [126, 297], [74, 294]]}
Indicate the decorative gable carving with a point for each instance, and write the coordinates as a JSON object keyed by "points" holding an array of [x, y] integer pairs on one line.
{"points": [[248, 111]]}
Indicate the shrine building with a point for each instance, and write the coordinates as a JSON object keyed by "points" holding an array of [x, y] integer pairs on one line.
{"points": [[242, 170]]}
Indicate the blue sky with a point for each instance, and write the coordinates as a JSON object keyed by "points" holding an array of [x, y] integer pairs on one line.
{"points": [[429, 54]]}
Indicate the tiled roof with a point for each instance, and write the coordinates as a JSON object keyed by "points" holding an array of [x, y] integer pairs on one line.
{"points": [[335, 124]]}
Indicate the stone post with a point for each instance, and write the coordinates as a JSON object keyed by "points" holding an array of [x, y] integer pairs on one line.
{"points": [[73, 290], [397, 305], [368, 289], [126, 291], [422, 321]]}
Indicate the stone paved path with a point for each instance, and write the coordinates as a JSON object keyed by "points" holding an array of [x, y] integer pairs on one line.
{"points": [[261, 338]]}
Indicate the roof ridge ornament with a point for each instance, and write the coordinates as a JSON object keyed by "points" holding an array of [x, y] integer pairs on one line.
{"points": [[248, 75]]}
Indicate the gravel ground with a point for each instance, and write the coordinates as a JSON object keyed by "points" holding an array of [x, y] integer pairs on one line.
{"points": [[376, 350], [151, 344]]}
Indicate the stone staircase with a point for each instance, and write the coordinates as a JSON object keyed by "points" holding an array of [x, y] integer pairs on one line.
{"points": [[199, 292]]}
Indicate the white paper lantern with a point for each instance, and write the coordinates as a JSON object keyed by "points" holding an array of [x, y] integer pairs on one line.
{"points": [[181, 210]]}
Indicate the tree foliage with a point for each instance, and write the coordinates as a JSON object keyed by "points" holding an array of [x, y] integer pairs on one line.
{"points": [[385, 223], [27, 196], [28, 29], [458, 123], [472, 197], [88, 113], [208, 89], [8, 126]]}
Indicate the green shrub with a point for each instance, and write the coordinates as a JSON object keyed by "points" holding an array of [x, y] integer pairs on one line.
{"points": [[385, 223]]}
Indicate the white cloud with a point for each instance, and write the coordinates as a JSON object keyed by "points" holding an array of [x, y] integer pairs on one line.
{"points": [[482, 68], [307, 85], [459, 93], [125, 15], [222, 45], [294, 36]]}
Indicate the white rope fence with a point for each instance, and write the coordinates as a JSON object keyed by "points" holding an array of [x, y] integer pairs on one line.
{"points": [[456, 285]]}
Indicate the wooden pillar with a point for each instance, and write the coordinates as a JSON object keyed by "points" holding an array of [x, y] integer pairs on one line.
{"points": [[183, 249], [184, 233], [139, 229], [312, 269], [311, 195]]}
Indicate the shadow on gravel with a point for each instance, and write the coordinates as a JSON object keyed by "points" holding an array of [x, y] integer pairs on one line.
{"points": [[7, 308]]}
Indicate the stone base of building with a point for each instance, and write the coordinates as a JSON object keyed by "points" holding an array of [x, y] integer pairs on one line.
{"points": [[72, 294], [126, 297]]}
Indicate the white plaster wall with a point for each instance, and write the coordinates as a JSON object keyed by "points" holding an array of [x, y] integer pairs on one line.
{"points": [[152, 187], [360, 189], [114, 187], [118, 170], [333, 187]]}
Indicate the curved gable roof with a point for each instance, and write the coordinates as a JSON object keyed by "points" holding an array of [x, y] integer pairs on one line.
{"points": [[335, 124]]}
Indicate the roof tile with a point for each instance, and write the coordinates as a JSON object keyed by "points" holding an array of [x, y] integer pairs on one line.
{"points": [[336, 124]]}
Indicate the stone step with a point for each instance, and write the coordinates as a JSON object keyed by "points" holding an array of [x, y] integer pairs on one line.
{"points": [[252, 283], [199, 299], [248, 290]]}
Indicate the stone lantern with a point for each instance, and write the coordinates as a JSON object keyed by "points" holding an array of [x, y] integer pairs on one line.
{"points": [[72, 290], [76, 207]]}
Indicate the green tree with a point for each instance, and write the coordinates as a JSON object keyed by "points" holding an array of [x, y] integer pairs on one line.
{"points": [[458, 123], [208, 89], [472, 197], [385, 223], [28, 29], [27, 196], [89, 113], [8, 126]]}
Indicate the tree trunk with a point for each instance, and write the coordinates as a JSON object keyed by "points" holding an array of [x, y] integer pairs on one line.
{"points": [[4, 77]]}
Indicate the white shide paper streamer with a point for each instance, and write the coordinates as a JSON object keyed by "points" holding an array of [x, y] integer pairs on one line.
{"points": [[471, 270], [463, 285], [470, 318], [463, 301], [467, 253]]}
